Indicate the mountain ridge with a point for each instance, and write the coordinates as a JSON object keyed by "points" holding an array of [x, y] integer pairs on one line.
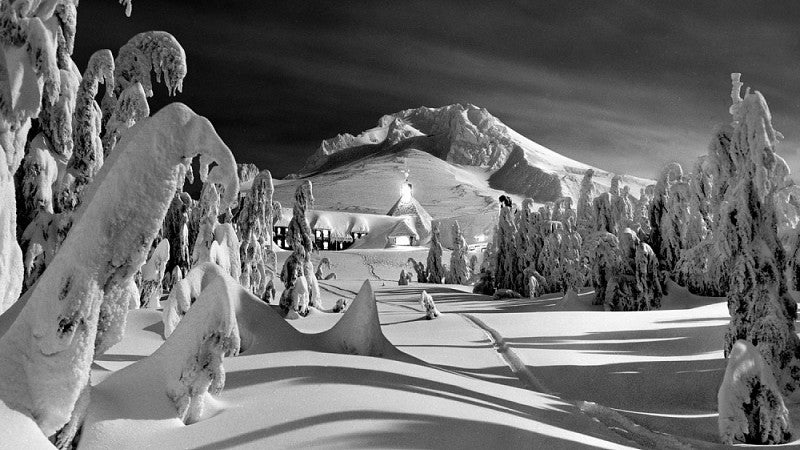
{"points": [[467, 135]]}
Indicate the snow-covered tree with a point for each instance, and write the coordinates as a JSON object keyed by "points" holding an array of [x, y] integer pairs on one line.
{"points": [[301, 288], [459, 265], [426, 301], [529, 244], [751, 408], [405, 278], [549, 261], [131, 107], [419, 268], [255, 223], [603, 253], [186, 291], [153, 274], [761, 310], [585, 210], [176, 231], [436, 271], [151, 51], [573, 268], [641, 212], [87, 157], [209, 213], [604, 214], [39, 173], [506, 249], [30, 49], [59, 325], [323, 266]]}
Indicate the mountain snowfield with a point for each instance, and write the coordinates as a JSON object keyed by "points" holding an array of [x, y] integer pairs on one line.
{"points": [[486, 373], [475, 152]]}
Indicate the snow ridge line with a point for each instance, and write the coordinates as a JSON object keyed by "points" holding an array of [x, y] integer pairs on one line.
{"points": [[509, 356]]}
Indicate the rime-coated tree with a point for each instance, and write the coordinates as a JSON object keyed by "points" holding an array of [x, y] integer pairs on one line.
{"points": [[459, 265], [664, 224], [506, 250], [131, 107], [176, 230], [549, 261], [641, 212], [585, 209], [573, 268], [31, 48], [436, 271], [209, 211], [254, 221], [301, 289], [152, 275], [78, 307], [39, 172], [427, 303], [528, 244], [87, 155], [761, 310], [602, 250], [419, 268], [751, 409], [604, 214], [148, 52]]}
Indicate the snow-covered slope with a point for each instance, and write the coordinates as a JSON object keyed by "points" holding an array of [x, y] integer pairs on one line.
{"points": [[466, 136], [372, 185]]}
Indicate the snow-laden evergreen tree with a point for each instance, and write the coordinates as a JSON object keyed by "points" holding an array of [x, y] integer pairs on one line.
{"points": [[87, 156], [426, 301], [641, 213], [209, 213], [419, 268], [31, 48], [664, 226], [506, 250], [176, 230], [436, 270], [604, 214], [459, 265], [78, 306], [148, 52], [39, 174], [602, 247], [301, 288], [549, 262], [585, 208], [751, 408], [152, 276], [761, 310], [573, 267], [255, 219], [131, 107], [703, 268]]}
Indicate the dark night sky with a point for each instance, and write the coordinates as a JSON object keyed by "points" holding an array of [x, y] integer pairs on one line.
{"points": [[623, 85]]}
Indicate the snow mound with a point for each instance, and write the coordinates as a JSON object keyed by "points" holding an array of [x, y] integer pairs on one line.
{"points": [[187, 368]]}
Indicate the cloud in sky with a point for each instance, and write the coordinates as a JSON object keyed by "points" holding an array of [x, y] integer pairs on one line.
{"points": [[623, 85]]}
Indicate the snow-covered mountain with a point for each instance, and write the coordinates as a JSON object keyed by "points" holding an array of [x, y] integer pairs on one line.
{"points": [[466, 136]]}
